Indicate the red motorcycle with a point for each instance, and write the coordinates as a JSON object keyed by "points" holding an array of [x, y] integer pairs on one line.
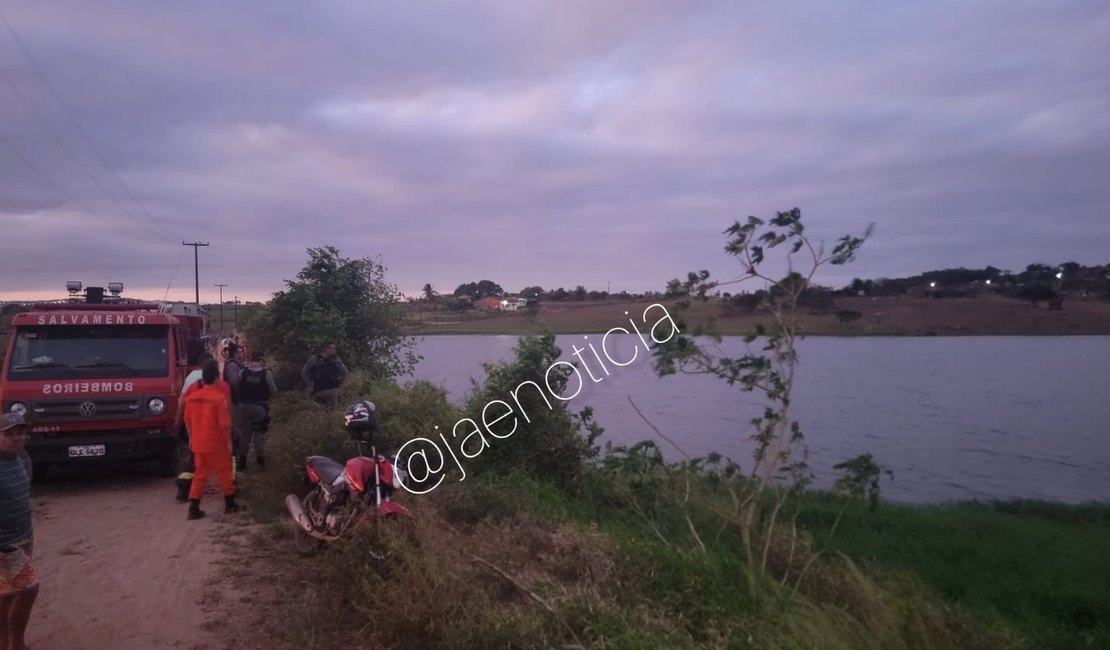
{"points": [[341, 498]]}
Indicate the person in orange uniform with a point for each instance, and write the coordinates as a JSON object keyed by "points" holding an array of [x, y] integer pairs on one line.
{"points": [[208, 419], [185, 478]]}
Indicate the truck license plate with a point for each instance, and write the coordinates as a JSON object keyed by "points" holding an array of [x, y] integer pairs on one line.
{"points": [[77, 451]]}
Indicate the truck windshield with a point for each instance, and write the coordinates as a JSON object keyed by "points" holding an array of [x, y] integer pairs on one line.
{"points": [[108, 352]]}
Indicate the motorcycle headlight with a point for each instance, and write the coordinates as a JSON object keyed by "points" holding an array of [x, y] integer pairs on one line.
{"points": [[18, 407], [157, 406]]}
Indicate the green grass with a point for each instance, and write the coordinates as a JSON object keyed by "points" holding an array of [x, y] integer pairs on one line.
{"points": [[1042, 568], [706, 598]]}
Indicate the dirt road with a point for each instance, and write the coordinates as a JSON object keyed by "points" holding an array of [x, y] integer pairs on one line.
{"points": [[120, 567]]}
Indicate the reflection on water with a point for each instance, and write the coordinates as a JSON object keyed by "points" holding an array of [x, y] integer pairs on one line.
{"points": [[955, 418]]}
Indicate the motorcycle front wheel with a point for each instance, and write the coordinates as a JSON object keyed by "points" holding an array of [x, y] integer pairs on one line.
{"points": [[304, 543]]}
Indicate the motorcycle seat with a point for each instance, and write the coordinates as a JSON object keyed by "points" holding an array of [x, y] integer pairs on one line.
{"points": [[327, 469]]}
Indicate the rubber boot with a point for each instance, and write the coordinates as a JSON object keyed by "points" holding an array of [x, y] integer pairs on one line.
{"points": [[194, 509], [229, 505], [183, 485], [261, 462]]}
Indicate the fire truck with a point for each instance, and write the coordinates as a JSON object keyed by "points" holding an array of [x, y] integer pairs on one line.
{"points": [[98, 376]]}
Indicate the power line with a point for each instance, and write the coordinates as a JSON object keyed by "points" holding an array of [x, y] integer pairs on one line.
{"points": [[61, 144], [76, 123], [42, 122], [173, 275], [69, 196], [210, 260]]}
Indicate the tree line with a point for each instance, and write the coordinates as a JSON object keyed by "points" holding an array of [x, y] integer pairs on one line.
{"points": [[1037, 281], [490, 289]]}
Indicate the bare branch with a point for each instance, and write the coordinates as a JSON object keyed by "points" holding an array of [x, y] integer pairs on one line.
{"points": [[656, 429]]}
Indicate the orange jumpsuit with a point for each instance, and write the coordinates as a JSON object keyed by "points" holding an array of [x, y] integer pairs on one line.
{"points": [[208, 418]]}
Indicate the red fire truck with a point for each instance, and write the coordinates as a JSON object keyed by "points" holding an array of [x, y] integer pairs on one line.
{"points": [[98, 378]]}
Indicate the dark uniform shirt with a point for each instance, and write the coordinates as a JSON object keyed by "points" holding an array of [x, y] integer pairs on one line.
{"points": [[15, 498], [323, 374]]}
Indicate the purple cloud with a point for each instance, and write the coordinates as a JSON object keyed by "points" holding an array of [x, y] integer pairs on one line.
{"points": [[544, 143]]}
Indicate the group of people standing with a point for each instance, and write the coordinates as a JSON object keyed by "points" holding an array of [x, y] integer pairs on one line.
{"points": [[222, 413]]}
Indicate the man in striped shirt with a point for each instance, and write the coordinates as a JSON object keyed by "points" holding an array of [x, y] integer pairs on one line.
{"points": [[18, 584]]}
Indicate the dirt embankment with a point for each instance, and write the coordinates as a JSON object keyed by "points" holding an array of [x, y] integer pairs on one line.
{"points": [[121, 568], [986, 315]]}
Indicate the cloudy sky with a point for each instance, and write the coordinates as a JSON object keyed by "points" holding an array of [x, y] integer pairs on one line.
{"points": [[601, 143]]}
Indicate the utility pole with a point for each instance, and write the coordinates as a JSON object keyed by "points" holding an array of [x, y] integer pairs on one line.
{"points": [[608, 286], [196, 265], [236, 313], [221, 286]]}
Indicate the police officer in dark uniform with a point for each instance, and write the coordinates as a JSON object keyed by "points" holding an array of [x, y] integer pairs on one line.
{"points": [[256, 387], [323, 374]]}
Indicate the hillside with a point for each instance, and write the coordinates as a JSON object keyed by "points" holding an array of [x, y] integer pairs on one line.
{"points": [[984, 315]]}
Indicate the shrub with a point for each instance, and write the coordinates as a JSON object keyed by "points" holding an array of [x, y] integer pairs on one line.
{"points": [[552, 443]]}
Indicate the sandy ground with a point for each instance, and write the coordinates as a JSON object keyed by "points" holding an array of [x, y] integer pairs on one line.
{"points": [[120, 567]]}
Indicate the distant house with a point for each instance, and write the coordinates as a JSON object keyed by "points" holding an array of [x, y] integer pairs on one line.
{"points": [[513, 303], [489, 303]]}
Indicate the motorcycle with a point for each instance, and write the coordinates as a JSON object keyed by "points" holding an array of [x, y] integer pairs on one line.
{"points": [[342, 498]]}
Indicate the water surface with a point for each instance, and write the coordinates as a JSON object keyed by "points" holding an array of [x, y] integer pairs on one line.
{"points": [[954, 418]]}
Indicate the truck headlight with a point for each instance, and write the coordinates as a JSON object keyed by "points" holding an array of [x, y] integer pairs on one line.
{"points": [[18, 407], [157, 406]]}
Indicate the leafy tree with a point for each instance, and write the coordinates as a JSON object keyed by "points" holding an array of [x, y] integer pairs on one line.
{"points": [[337, 300], [748, 301], [532, 292], [460, 303], [1037, 272], [429, 292], [559, 294], [580, 293], [859, 479], [816, 298], [479, 289], [779, 442], [1037, 293]]}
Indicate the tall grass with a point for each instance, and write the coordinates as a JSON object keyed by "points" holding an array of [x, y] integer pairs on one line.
{"points": [[1042, 568]]}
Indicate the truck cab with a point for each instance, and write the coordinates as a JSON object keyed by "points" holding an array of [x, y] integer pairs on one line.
{"points": [[100, 380]]}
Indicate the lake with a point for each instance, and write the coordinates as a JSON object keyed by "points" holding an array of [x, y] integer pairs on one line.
{"points": [[955, 418]]}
